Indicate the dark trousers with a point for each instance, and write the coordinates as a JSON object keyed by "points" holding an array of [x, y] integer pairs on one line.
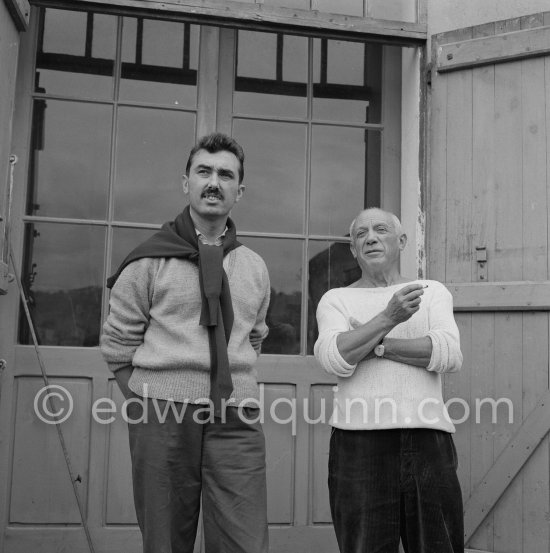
{"points": [[387, 484], [173, 462]]}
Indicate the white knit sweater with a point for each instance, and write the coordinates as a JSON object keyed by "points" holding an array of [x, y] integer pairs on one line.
{"points": [[379, 393], [153, 324]]}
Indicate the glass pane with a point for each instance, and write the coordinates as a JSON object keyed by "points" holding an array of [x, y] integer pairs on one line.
{"points": [[75, 54], [275, 172], [345, 177], [284, 263], [271, 74], [63, 275], [124, 241], [159, 62], [69, 172], [347, 81], [152, 148], [345, 7], [331, 265]]}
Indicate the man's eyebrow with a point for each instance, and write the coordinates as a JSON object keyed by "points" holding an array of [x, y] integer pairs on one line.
{"points": [[203, 166], [225, 171]]}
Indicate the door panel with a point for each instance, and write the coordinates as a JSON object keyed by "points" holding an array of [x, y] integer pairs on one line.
{"points": [[489, 145]]}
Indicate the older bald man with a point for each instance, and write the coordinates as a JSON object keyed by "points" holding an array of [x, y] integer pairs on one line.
{"points": [[392, 464]]}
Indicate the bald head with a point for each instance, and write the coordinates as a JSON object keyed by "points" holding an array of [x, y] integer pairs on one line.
{"points": [[372, 210]]}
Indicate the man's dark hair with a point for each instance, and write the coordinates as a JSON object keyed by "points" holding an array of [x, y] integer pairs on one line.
{"points": [[218, 142]]}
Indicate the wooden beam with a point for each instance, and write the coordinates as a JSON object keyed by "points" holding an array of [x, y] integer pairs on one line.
{"points": [[20, 11], [508, 464], [494, 49], [501, 296], [231, 13]]}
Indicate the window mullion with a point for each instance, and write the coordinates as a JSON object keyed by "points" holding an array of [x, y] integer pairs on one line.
{"points": [[227, 60], [207, 78]]}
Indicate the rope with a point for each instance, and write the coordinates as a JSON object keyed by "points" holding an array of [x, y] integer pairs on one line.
{"points": [[25, 302]]}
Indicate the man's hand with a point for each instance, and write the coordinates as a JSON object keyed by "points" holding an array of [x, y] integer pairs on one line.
{"points": [[404, 303], [255, 340], [122, 377]]}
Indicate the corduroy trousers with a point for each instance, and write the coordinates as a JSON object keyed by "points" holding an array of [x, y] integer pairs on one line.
{"points": [[391, 484], [176, 459]]}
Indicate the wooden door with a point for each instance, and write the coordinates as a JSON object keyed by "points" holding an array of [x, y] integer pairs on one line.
{"points": [[487, 218], [13, 19], [109, 106]]}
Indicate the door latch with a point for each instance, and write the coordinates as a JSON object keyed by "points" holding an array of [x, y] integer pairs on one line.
{"points": [[481, 259]]}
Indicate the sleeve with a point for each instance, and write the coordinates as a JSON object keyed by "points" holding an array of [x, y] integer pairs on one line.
{"points": [[260, 330], [331, 321], [443, 332], [128, 318]]}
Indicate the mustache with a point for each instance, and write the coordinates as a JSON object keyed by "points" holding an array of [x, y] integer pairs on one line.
{"points": [[212, 191]]}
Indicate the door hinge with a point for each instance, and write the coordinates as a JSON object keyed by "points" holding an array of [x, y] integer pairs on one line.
{"points": [[429, 73]]}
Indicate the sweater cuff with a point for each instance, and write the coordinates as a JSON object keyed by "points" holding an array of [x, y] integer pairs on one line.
{"points": [[440, 354], [340, 366]]}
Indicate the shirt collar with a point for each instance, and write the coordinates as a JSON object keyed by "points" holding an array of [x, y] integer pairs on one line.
{"points": [[217, 242]]}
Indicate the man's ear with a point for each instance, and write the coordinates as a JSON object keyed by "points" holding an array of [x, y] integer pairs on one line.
{"points": [[185, 184], [353, 250], [240, 192], [402, 241]]}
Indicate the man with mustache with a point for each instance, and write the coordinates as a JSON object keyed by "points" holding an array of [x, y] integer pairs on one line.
{"points": [[392, 461], [186, 323]]}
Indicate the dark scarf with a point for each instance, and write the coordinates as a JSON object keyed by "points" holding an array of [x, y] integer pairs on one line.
{"points": [[178, 238]]}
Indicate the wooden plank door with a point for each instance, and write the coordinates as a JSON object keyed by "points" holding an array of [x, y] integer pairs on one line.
{"points": [[487, 230]]}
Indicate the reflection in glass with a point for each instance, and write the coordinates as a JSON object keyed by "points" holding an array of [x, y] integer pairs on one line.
{"points": [[284, 261], [63, 277], [345, 177], [331, 265], [124, 241], [159, 62], [274, 176], [347, 81], [271, 74], [76, 52], [69, 169], [152, 148]]}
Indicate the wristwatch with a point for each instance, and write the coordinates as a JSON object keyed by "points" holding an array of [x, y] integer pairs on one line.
{"points": [[379, 350]]}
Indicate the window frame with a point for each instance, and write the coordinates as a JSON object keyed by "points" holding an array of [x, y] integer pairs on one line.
{"points": [[207, 120]]}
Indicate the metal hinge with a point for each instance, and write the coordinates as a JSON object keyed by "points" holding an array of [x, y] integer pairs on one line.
{"points": [[429, 74]]}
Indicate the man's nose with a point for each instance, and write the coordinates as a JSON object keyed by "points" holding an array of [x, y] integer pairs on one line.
{"points": [[214, 180], [371, 238]]}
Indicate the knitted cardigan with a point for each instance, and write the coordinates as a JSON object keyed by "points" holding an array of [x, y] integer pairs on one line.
{"points": [[153, 324], [379, 393]]}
